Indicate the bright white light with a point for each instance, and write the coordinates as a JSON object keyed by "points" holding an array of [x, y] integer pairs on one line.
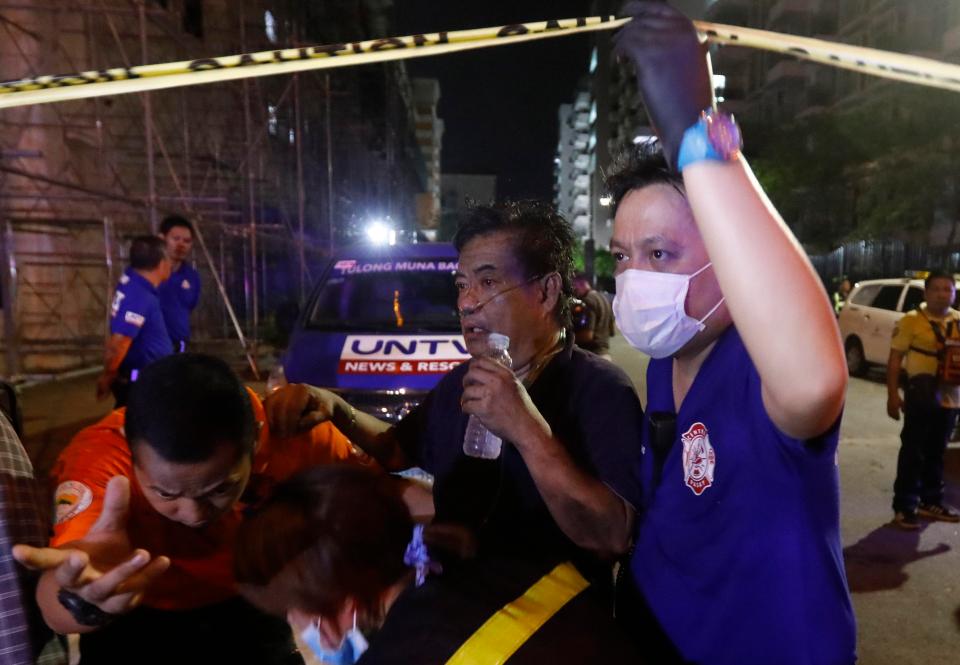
{"points": [[719, 81], [605, 201], [638, 139], [381, 233], [270, 26]]}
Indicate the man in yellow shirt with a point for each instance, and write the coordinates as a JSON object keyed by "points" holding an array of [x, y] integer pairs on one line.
{"points": [[928, 405]]}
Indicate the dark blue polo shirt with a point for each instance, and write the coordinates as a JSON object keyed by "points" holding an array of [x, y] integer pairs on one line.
{"points": [[179, 296], [738, 548], [135, 313], [593, 410]]}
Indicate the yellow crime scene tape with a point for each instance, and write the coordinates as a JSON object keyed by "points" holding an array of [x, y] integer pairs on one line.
{"points": [[123, 80]]}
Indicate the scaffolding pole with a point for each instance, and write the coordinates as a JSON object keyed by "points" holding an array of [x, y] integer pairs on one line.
{"points": [[301, 196], [9, 282], [329, 142], [108, 254], [248, 127], [148, 125]]}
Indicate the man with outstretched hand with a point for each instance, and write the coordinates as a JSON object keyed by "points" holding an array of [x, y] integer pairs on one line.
{"points": [[147, 507]]}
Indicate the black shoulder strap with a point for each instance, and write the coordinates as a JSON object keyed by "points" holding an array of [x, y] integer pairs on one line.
{"points": [[941, 340]]}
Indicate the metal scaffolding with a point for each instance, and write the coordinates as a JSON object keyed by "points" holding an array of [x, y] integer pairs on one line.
{"points": [[78, 178]]}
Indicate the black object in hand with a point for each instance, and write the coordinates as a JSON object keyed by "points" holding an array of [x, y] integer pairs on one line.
{"points": [[673, 69], [83, 612]]}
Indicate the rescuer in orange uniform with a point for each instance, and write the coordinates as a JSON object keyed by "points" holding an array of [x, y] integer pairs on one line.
{"points": [[148, 503]]}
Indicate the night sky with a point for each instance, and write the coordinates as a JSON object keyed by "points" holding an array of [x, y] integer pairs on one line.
{"points": [[499, 105]]}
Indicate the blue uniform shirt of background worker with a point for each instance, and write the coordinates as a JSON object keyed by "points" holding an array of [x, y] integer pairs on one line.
{"points": [[179, 296], [138, 334], [730, 478], [136, 313]]}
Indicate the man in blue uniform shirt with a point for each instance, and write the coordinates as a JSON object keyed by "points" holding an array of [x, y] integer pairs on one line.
{"points": [[180, 294], [737, 556], [138, 334]]}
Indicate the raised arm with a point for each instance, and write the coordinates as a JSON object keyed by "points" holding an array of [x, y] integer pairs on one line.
{"points": [[298, 407], [773, 294]]}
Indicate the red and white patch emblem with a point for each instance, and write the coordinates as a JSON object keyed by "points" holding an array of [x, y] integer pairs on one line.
{"points": [[699, 459], [71, 498]]}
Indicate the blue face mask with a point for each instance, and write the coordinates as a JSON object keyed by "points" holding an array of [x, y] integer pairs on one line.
{"points": [[353, 645]]}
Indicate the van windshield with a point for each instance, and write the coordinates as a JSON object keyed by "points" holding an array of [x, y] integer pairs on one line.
{"points": [[381, 300]]}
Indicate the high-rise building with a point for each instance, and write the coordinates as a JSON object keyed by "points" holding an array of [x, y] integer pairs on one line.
{"points": [[769, 89], [426, 95], [572, 163], [458, 191]]}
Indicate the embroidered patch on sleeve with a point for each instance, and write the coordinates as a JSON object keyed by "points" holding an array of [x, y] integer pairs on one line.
{"points": [[134, 318], [71, 499]]}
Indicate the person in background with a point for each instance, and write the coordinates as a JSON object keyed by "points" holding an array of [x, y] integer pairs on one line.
{"points": [[929, 405], [738, 557], [841, 294], [24, 639], [148, 503], [336, 552], [180, 294], [138, 333], [595, 330]]}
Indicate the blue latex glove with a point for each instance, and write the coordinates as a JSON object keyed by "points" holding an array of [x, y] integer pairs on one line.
{"points": [[673, 69]]}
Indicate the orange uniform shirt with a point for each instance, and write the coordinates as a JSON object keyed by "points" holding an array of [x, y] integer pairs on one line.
{"points": [[201, 570]]}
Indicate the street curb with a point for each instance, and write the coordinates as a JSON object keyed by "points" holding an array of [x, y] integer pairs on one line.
{"points": [[56, 378]]}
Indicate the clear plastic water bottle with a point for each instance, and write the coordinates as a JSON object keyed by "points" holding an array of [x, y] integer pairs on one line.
{"points": [[479, 441]]}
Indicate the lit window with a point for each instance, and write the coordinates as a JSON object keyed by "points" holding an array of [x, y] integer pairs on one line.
{"points": [[272, 119], [270, 26]]}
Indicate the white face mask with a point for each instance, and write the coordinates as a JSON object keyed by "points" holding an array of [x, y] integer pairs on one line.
{"points": [[649, 310]]}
